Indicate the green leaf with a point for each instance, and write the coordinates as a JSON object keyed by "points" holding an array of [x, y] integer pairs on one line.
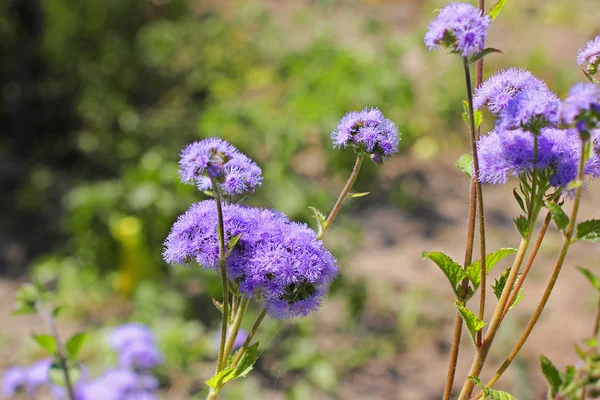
{"points": [[590, 277], [552, 375], [233, 242], [522, 225], [474, 270], [590, 77], [57, 375], [353, 195], [220, 378], [465, 164], [478, 116], [489, 393], [592, 342], [474, 324], [25, 299], [75, 344], [574, 184], [558, 215], [476, 57], [247, 361], [589, 231], [321, 220], [499, 283], [497, 8], [46, 342], [519, 200], [518, 298], [449, 267], [22, 309]]}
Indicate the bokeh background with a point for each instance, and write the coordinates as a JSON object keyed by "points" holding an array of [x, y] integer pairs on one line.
{"points": [[99, 96]]}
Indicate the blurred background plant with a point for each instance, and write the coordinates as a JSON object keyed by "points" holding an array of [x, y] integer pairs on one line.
{"points": [[99, 97]]}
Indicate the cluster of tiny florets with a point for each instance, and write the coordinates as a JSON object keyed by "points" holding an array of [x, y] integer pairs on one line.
{"points": [[215, 159], [505, 153], [458, 26], [590, 54], [498, 90], [276, 260], [368, 131], [582, 107], [531, 110]]}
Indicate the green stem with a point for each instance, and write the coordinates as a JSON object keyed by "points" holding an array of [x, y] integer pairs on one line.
{"points": [[597, 322], [235, 327], [342, 197], [60, 351], [559, 263], [249, 338], [212, 394], [224, 281]]}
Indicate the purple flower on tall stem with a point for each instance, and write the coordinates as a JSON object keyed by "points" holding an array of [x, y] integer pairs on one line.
{"points": [[215, 159], [367, 131], [503, 86], [458, 26], [582, 106], [590, 54], [531, 110]]}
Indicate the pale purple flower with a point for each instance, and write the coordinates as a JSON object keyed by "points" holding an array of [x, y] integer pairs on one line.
{"points": [[276, 260], [121, 384], [582, 105], [13, 380], [503, 86], [531, 110], [141, 355], [459, 26], [367, 131], [215, 158], [128, 334], [590, 53]]}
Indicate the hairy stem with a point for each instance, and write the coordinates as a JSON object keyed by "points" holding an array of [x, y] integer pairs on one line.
{"points": [[559, 263], [249, 338], [235, 328], [48, 320], [342, 197]]}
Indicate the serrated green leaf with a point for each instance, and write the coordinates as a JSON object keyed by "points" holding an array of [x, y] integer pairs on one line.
{"points": [[518, 298], [589, 231], [353, 195], [465, 164], [46, 342], [220, 378], [522, 225], [474, 270], [489, 393], [478, 116], [449, 267], [233, 242], [552, 375], [476, 57], [497, 8], [590, 277], [519, 200], [499, 283], [75, 344], [57, 375], [558, 215], [247, 361], [474, 324]]}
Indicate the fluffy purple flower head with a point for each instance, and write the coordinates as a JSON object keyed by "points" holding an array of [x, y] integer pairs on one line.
{"points": [[590, 54], [459, 26], [510, 153], [121, 384], [215, 158], [276, 260], [140, 356], [531, 110], [582, 106], [367, 131], [13, 380], [131, 333], [503, 86]]}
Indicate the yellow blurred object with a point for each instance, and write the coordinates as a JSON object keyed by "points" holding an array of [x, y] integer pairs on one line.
{"points": [[135, 264]]}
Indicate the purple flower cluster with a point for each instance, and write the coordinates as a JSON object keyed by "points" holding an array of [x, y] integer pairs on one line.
{"points": [[29, 380], [510, 153], [275, 259], [120, 384], [367, 131], [136, 347], [582, 106], [214, 158], [531, 110], [496, 92], [459, 26], [590, 54]]}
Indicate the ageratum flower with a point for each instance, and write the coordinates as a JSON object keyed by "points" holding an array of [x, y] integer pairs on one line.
{"points": [[140, 356], [13, 380], [275, 259], [590, 54], [510, 153], [121, 384], [214, 158], [503, 86], [459, 26], [531, 110], [367, 131], [127, 334], [582, 106]]}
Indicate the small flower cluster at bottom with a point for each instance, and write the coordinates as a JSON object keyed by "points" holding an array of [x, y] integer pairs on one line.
{"points": [[132, 380]]}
